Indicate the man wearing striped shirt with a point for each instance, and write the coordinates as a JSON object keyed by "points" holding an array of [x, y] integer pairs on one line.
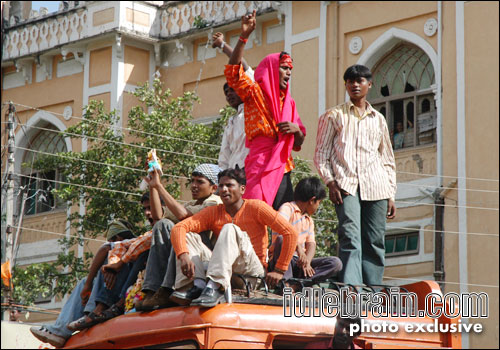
{"points": [[355, 159]]}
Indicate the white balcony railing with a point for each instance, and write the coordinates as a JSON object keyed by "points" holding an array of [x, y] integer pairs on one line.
{"points": [[39, 34]]}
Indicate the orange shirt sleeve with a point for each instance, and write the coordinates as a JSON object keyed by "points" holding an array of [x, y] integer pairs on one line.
{"points": [[268, 216], [237, 79], [199, 222]]}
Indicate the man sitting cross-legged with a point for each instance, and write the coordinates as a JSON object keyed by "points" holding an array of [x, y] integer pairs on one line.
{"points": [[242, 239], [161, 269], [308, 195]]}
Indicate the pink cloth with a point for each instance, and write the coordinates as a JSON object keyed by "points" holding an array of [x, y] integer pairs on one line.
{"points": [[265, 163]]}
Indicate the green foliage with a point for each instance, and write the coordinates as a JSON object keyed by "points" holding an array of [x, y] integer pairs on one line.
{"points": [[38, 280], [325, 219], [169, 121], [200, 22]]}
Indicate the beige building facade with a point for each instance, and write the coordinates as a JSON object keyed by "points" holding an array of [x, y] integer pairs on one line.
{"points": [[435, 67]]}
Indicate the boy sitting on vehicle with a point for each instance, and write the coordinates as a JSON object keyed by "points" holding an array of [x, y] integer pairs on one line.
{"points": [[308, 195]]}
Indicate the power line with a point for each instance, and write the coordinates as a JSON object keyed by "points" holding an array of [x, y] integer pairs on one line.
{"points": [[118, 142], [61, 234], [99, 163], [447, 205], [448, 176], [450, 232], [183, 177], [83, 186], [393, 278], [213, 145], [106, 164], [423, 229], [31, 308], [123, 128], [445, 188]]}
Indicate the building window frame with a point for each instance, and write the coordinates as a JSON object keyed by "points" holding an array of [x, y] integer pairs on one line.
{"points": [[415, 107], [404, 237]]}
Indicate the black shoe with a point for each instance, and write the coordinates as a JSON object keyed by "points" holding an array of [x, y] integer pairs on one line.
{"points": [[185, 298], [209, 298]]}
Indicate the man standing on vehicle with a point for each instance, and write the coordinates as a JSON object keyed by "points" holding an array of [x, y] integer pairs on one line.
{"points": [[233, 150], [355, 159], [272, 123]]}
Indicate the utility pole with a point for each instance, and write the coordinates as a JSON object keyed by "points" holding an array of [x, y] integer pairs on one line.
{"points": [[9, 201]]}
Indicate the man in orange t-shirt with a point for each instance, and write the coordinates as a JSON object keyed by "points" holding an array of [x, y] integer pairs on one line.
{"points": [[241, 229]]}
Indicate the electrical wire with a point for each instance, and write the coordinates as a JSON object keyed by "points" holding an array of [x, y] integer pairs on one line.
{"points": [[386, 277], [444, 188], [31, 308], [98, 163], [213, 145], [191, 155], [61, 234], [447, 205], [119, 142], [422, 229], [136, 194], [83, 186], [124, 128]]}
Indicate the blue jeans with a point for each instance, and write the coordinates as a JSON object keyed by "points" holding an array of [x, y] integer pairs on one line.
{"points": [[101, 294], [71, 311], [362, 239]]}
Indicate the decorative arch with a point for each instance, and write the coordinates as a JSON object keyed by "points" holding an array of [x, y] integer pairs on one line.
{"points": [[24, 135], [388, 40]]}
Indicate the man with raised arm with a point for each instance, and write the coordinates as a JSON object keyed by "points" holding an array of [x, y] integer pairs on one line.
{"points": [[272, 124], [233, 150]]}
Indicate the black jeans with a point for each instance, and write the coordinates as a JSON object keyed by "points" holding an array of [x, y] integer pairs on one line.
{"points": [[285, 192]]}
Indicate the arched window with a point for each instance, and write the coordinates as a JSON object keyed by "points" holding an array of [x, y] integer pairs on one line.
{"points": [[40, 197], [402, 91]]}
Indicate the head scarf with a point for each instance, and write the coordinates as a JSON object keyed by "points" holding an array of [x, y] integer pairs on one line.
{"points": [[268, 76], [286, 60], [118, 226], [210, 171]]}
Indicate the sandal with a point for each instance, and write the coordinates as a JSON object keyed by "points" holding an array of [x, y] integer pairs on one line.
{"points": [[81, 323], [110, 313]]}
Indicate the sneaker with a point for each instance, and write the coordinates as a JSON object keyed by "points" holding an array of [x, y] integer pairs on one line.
{"points": [[43, 334], [159, 300]]}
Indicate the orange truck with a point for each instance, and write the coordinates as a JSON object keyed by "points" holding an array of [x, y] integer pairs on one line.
{"points": [[260, 322]]}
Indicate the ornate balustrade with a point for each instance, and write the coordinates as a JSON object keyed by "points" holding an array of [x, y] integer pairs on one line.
{"points": [[45, 31], [182, 17], [36, 36]]}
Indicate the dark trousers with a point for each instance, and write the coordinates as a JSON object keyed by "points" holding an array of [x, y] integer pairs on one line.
{"points": [[285, 191], [137, 266], [324, 268], [362, 239], [159, 254]]}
